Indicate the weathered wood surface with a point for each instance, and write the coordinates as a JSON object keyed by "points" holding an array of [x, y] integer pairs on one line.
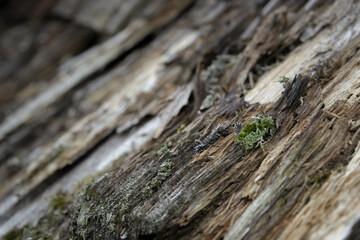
{"points": [[126, 110]]}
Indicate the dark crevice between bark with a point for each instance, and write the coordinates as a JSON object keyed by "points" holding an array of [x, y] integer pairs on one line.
{"points": [[355, 232], [269, 61]]}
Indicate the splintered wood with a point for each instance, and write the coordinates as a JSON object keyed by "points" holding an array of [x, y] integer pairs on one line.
{"points": [[118, 119]]}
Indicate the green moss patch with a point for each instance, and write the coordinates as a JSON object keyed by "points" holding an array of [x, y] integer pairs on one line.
{"points": [[162, 174], [256, 133], [59, 202]]}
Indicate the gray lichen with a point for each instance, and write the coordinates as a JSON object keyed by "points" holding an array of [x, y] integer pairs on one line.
{"points": [[211, 79], [112, 217], [164, 149], [162, 174]]}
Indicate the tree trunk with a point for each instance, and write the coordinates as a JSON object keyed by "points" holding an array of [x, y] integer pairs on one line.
{"points": [[180, 119]]}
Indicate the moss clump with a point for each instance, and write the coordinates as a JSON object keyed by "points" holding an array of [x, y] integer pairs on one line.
{"points": [[52, 225], [59, 202], [96, 212], [164, 170], [96, 217], [164, 149], [256, 133], [162, 174], [15, 234]]}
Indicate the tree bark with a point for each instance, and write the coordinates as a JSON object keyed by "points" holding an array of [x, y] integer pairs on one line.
{"points": [[181, 120]]}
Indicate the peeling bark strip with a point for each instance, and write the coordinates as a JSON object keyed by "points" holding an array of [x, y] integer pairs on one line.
{"points": [[153, 146], [292, 93]]}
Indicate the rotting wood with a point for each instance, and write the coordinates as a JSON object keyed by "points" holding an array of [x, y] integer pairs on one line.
{"points": [[187, 178], [52, 152]]}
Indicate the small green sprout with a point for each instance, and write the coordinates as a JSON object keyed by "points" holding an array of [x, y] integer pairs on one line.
{"points": [[256, 133]]}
